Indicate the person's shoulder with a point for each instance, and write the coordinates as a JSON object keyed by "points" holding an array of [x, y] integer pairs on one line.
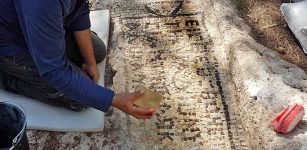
{"points": [[48, 5], [51, 3]]}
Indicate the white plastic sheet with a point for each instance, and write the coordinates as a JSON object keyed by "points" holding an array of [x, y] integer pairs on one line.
{"points": [[295, 15]]}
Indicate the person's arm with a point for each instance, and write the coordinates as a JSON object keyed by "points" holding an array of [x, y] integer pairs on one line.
{"points": [[83, 39], [42, 27], [80, 27], [123, 101]]}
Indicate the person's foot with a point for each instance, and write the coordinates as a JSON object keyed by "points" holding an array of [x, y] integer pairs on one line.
{"points": [[6, 84]]}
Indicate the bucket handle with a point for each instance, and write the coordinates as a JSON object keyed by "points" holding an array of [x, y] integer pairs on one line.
{"points": [[17, 138]]}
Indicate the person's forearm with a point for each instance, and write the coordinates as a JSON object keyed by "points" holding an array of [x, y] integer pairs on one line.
{"points": [[84, 42]]}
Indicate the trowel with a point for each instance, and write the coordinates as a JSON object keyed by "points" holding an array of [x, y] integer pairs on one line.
{"points": [[295, 15]]}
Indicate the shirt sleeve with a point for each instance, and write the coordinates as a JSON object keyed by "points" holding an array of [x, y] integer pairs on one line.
{"points": [[82, 21], [42, 25]]}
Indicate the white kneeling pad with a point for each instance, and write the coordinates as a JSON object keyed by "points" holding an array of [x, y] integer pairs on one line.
{"points": [[42, 116]]}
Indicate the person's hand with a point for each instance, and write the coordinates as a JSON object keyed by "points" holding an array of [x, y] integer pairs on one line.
{"points": [[124, 103], [92, 71]]}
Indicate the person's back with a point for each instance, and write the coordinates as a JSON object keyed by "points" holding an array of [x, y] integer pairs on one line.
{"points": [[13, 15], [11, 37]]}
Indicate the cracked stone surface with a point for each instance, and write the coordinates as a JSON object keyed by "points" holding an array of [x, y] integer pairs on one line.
{"points": [[221, 88]]}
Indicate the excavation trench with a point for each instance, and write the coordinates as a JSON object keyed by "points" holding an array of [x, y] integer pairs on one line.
{"points": [[221, 88]]}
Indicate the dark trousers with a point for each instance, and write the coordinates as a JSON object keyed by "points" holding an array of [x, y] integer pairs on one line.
{"points": [[21, 75]]}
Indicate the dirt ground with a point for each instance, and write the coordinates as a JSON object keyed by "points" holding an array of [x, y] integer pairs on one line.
{"points": [[270, 29]]}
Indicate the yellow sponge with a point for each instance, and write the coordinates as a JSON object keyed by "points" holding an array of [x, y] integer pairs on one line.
{"points": [[150, 99]]}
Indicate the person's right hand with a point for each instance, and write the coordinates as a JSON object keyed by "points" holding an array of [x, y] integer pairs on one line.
{"points": [[124, 102]]}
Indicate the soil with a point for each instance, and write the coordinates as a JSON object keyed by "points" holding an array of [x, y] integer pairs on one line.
{"points": [[271, 30]]}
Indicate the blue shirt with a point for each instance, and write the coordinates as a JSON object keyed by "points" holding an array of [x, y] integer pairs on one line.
{"points": [[38, 26]]}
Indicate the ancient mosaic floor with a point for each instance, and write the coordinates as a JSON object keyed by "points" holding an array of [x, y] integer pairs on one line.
{"points": [[164, 45]]}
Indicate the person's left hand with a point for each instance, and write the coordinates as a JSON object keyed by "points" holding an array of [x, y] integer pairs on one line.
{"points": [[92, 71]]}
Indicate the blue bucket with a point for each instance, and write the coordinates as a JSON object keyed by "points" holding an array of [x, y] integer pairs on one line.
{"points": [[13, 124]]}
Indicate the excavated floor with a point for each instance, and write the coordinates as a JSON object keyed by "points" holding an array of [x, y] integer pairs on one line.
{"points": [[163, 44]]}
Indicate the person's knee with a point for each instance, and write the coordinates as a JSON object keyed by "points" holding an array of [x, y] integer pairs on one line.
{"points": [[65, 101], [99, 48], [76, 107]]}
